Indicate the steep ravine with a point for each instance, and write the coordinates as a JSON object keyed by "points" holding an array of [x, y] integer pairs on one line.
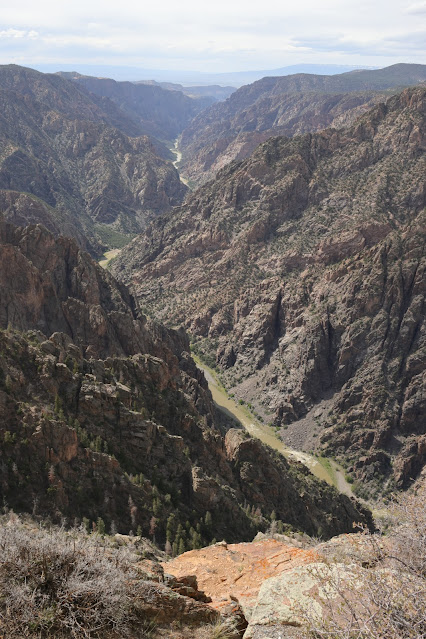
{"points": [[300, 273], [323, 468], [103, 413]]}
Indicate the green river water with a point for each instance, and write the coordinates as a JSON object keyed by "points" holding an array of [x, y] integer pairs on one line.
{"points": [[322, 468]]}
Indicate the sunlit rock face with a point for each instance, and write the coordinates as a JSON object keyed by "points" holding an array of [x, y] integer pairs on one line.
{"points": [[301, 272]]}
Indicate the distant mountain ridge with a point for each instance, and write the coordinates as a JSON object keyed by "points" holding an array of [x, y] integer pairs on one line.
{"points": [[188, 78], [287, 105], [240, 78]]}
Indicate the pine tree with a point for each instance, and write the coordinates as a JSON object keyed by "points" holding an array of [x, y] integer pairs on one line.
{"points": [[208, 520], [180, 532], [156, 507], [100, 526], [58, 404], [170, 527], [195, 540]]}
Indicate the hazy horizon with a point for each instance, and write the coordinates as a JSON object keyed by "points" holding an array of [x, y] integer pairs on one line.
{"points": [[189, 78]]}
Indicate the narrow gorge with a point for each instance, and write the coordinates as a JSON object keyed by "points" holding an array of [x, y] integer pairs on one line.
{"points": [[212, 356]]}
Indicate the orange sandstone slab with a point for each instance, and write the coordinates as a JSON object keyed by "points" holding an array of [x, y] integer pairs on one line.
{"points": [[226, 571]]}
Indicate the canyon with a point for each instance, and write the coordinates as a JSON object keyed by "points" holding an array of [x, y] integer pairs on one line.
{"points": [[167, 405], [81, 165], [104, 413], [300, 273]]}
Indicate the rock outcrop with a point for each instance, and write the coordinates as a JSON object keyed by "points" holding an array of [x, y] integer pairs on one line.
{"points": [[279, 583], [236, 572], [297, 587], [302, 270]]}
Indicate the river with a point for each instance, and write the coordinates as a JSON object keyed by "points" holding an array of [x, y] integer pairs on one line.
{"points": [[326, 469], [178, 154], [108, 256]]}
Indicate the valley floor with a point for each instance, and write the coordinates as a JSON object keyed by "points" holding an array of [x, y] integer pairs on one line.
{"points": [[323, 468], [108, 256]]}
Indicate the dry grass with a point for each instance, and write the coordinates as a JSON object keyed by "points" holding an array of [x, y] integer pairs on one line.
{"points": [[218, 630], [62, 584]]}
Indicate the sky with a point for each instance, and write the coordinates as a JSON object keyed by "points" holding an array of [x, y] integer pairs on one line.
{"points": [[219, 36]]}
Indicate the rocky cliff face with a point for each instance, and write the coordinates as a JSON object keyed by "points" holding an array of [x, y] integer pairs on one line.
{"points": [[86, 160], [290, 105], [232, 130], [104, 414], [303, 269], [157, 111], [207, 94]]}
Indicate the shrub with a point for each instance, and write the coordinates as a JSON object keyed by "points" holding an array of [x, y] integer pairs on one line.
{"points": [[386, 598], [58, 584]]}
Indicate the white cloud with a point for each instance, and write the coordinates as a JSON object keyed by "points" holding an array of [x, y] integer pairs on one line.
{"points": [[18, 33], [417, 9], [223, 35]]}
